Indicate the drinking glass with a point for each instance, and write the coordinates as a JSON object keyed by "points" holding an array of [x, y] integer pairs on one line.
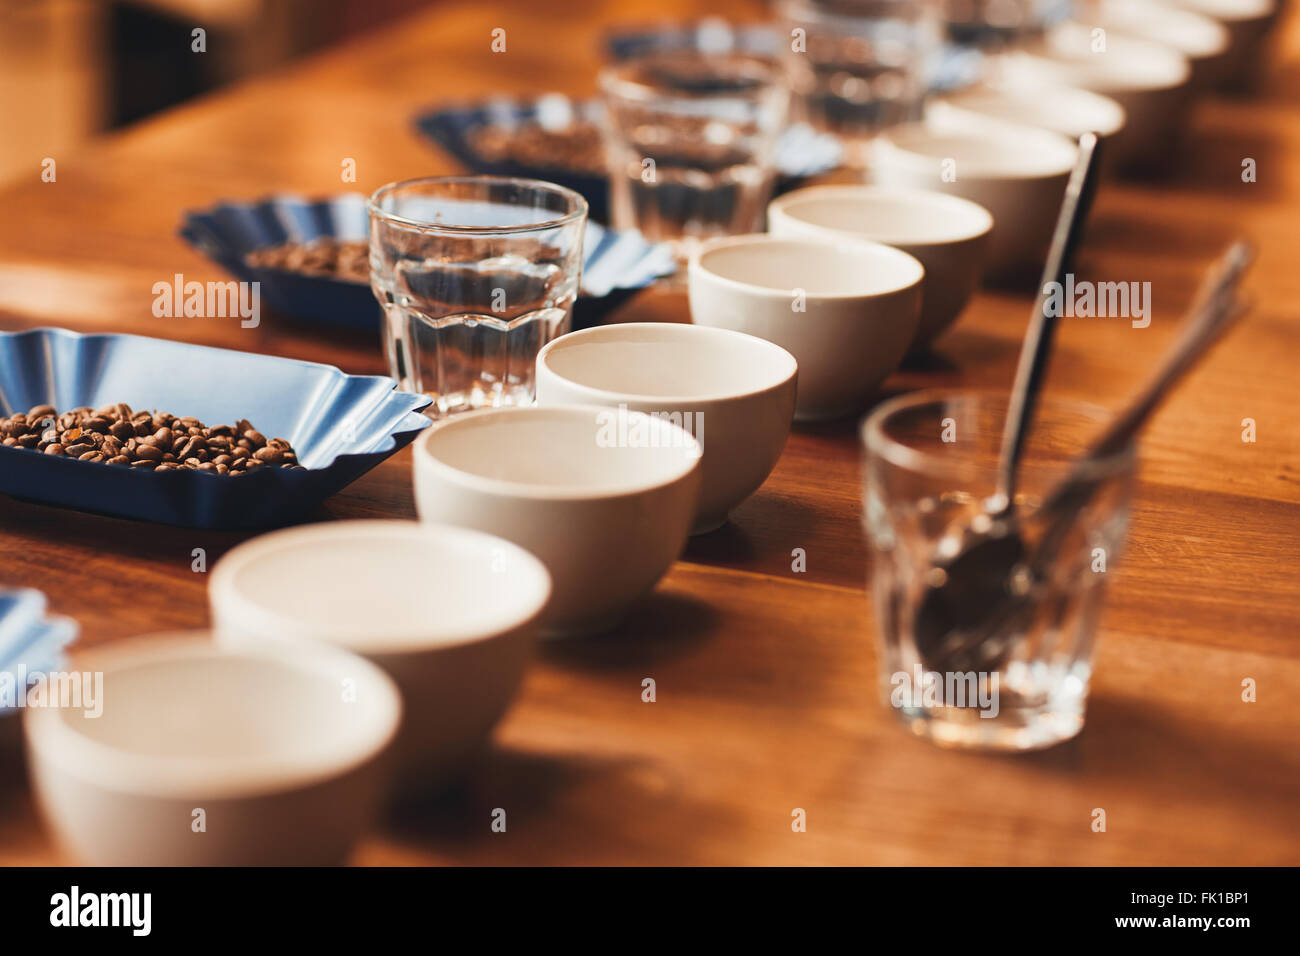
{"points": [[475, 274], [689, 139], [859, 66], [931, 464]]}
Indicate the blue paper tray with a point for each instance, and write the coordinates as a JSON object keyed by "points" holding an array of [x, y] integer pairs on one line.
{"points": [[616, 265], [340, 425], [801, 153], [30, 640]]}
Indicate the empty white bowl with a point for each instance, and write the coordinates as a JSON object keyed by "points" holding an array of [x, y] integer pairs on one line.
{"points": [[734, 392], [204, 756], [450, 614], [947, 234], [604, 499], [1203, 40], [1150, 80], [1248, 23], [1061, 109], [1018, 173], [846, 310]]}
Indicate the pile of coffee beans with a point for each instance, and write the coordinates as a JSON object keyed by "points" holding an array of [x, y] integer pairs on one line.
{"points": [[347, 259], [576, 147], [156, 441]]}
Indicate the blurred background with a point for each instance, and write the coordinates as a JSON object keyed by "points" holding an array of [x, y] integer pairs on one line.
{"points": [[71, 68]]}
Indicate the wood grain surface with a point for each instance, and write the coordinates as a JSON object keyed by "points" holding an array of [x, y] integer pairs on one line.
{"points": [[766, 678]]}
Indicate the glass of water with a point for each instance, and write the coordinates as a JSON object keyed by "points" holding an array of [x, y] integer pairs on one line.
{"points": [[860, 66], [689, 139], [931, 464], [475, 274]]}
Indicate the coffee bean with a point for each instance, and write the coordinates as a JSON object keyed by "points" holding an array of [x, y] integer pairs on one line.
{"points": [[116, 435]]}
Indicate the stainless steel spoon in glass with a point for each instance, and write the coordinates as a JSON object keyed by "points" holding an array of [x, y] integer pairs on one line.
{"points": [[968, 636], [972, 575]]}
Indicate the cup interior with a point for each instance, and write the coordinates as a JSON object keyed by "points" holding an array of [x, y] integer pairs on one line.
{"points": [[821, 269], [898, 216], [1010, 153], [181, 713], [659, 361], [1057, 108], [380, 586], [574, 451]]}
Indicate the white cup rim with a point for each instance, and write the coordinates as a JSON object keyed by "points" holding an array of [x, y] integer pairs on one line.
{"points": [[981, 218], [115, 767], [413, 642], [914, 272], [673, 438], [601, 396]]}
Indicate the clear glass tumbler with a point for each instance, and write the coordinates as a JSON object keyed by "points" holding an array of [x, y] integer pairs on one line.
{"points": [[689, 140], [475, 274], [860, 66], [931, 463]]}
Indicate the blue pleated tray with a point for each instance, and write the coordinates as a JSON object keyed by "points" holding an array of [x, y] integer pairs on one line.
{"points": [[340, 425], [30, 642], [616, 265], [801, 152]]}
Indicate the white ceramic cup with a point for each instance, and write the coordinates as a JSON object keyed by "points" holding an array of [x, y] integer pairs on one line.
{"points": [[947, 234], [1248, 23], [604, 499], [1203, 40], [281, 757], [1066, 110], [1151, 81], [1018, 173], [846, 310], [450, 614], [734, 392]]}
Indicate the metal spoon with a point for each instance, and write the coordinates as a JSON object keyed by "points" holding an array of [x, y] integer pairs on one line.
{"points": [[970, 574], [982, 644]]}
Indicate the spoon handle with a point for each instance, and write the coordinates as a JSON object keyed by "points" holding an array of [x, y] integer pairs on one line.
{"points": [[1037, 347], [1216, 307]]}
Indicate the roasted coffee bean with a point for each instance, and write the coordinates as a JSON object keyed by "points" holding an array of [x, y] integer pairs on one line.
{"points": [[151, 452], [114, 434], [191, 447]]}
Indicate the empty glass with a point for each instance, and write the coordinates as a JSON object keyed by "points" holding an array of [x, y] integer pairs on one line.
{"points": [[690, 140], [859, 66], [931, 462], [475, 274]]}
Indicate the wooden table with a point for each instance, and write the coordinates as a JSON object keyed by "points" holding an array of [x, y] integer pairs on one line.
{"points": [[766, 677]]}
